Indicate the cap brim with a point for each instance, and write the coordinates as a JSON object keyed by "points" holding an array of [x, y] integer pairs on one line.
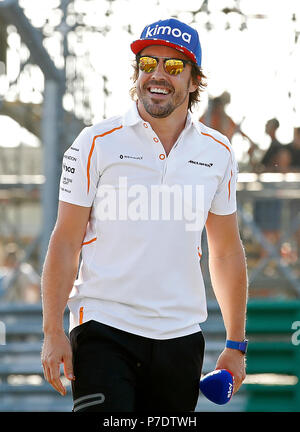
{"points": [[140, 44]]}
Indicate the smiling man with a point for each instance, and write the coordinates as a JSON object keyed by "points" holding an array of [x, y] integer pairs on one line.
{"points": [[138, 301], [157, 96]]}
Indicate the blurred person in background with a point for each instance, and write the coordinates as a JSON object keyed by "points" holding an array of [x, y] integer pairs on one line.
{"points": [[268, 211], [269, 160], [216, 117], [283, 160], [294, 209], [135, 307], [19, 282], [294, 150]]}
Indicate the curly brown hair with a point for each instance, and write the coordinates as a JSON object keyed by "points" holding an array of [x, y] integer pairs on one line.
{"points": [[197, 75]]}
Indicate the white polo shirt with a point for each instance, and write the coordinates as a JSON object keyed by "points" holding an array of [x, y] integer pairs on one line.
{"points": [[140, 269]]}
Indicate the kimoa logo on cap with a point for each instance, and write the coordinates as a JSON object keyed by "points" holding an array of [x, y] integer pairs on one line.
{"points": [[176, 32]]}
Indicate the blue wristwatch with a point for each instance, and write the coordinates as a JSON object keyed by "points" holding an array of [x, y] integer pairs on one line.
{"points": [[241, 346]]}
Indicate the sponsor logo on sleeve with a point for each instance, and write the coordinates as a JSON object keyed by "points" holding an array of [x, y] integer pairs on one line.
{"points": [[65, 190], [69, 169], [71, 158], [67, 180]]}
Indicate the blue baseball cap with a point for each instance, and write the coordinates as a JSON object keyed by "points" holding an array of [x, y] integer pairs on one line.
{"points": [[172, 33]]}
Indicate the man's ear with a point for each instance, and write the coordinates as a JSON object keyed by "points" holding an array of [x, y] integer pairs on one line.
{"points": [[193, 85]]}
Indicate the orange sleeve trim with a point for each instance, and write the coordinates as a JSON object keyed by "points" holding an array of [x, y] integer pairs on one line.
{"points": [[220, 142], [226, 146], [88, 242], [81, 315], [91, 153]]}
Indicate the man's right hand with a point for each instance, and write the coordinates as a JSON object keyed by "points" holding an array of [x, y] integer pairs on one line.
{"points": [[56, 350], [59, 273]]}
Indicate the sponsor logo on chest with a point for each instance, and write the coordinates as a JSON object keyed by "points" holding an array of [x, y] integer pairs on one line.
{"points": [[208, 165]]}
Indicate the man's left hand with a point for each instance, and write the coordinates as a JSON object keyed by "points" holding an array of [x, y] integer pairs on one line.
{"points": [[234, 361]]}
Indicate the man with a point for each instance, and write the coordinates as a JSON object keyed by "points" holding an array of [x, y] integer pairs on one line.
{"points": [[294, 150], [20, 283], [216, 117], [268, 213], [269, 159], [136, 305]]}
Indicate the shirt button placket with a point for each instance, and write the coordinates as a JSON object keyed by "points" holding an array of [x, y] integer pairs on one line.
{"points": [[162, 157]]}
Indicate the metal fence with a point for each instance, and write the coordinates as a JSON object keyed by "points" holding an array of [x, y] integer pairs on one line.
{"points": [[269, 207]]}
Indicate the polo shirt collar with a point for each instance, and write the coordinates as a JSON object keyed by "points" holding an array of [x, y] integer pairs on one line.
{"points": [[132, 117], [197, 125]]}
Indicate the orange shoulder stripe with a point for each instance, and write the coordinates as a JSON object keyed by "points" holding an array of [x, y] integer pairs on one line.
{"points": [[220, 142], [226, 146], [91, 152]]}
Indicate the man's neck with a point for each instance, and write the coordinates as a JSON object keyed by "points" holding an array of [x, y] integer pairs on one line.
{"points": [[167, 129]]}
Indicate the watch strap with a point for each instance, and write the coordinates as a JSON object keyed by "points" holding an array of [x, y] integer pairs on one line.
{"points": [[241, 346]]}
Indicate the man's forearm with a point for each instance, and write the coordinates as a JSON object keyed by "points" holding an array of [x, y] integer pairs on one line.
{"points": [[229, 281], [58, 276]]}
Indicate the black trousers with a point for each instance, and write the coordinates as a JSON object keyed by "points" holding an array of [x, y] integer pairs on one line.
{"points": [[116, 371]]}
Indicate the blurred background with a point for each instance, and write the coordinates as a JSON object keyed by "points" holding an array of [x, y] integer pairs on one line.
{"points": [[65, 64]]}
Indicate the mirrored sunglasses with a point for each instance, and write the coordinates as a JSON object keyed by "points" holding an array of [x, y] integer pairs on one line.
{"points": [[172, 66]]}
